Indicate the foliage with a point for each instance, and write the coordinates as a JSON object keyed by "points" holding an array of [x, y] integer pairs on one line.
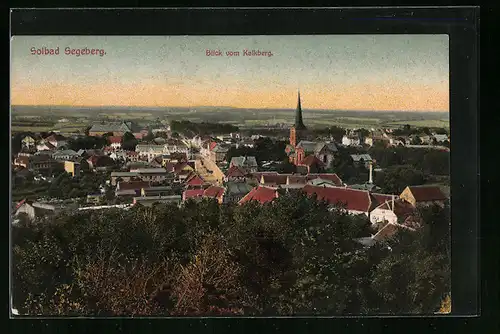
{"points": [[428, 161], [293, 256], [394, 180], [64, 186], [264, 149], [84, 143], [129, 142]]}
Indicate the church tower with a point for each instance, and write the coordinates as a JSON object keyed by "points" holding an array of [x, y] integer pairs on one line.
{"points": [[299, 124]]}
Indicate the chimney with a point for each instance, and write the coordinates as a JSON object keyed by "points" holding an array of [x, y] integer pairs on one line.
{"points": [[393, 203], [370, 181]]}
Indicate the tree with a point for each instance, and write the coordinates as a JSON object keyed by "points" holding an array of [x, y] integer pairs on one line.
{"points": [[394, 180], [129, 142], [415, 140], [296, 255]]}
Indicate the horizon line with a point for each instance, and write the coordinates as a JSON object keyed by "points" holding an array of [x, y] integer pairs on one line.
{"points": [[205, 106]]}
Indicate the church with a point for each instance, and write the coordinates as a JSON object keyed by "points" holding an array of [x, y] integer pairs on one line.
{"points": [[302, 152]]}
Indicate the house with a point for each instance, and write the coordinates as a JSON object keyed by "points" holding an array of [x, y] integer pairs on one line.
{"points": [[235, 191], [149, 151], [43, 164], [131, 188], [394, 211], [362, 160], [173, 146], [195, 181], [207, 147], [132, 156], [116, 128], [355, 202], [426, 140], [33, 210], [215, 192], [377, 139], [98, 162], [218, 153], [440, 138], [246, 143], [56, 140], [312, 164], [45, 146], [149, 201], [351, 140], [156, 191], [153, 175], [95, 199], [324, 151], [423, 195], [247, 163], [261, 194], [123, 176], [274, 179], [28, 142], [72, 167], [118, 155], [65, 155], [236, 174], [329, 177], [192, 194], [115, 142]]}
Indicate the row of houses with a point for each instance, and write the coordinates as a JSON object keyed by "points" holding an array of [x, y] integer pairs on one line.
{"points": [[355, 139]]}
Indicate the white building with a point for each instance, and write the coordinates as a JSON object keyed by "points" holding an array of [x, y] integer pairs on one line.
{"points": [[351, 140], [392, 212]]}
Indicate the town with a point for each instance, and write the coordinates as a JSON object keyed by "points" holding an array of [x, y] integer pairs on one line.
{"points": [[382, 176], [148, 165]]}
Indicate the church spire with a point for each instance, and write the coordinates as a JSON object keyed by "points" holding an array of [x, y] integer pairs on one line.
{"points": [[299, 124]]}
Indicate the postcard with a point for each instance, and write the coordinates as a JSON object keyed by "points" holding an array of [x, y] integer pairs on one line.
{"points": [[274, 176]]}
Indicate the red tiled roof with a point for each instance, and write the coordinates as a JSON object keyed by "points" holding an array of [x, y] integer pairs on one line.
{"points": [[20, 203], [356, 200], [196, 180], [179, 166], [133, 185], [260, 194], [297, 179], [191, 193], [212, 145], [311, 160], [114, 139], [379, 199], [235, 171], [427, 193], [401, 208], [327, 176], [214, 191], [275, 179]]}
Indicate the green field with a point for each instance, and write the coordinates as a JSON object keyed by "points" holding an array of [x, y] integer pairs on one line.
{"points": [[80, 118]]}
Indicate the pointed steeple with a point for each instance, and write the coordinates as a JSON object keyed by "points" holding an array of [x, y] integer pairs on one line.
{"points": [[299, 124]]}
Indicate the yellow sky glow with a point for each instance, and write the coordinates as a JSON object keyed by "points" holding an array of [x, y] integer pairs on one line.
{"points": [[394, 96]]}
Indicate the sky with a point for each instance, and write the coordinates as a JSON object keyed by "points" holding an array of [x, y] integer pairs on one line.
{"points": [[338, 72]]}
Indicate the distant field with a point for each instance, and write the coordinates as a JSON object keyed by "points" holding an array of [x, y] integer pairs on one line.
{"points": [[423, 123], [82, 117]]}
